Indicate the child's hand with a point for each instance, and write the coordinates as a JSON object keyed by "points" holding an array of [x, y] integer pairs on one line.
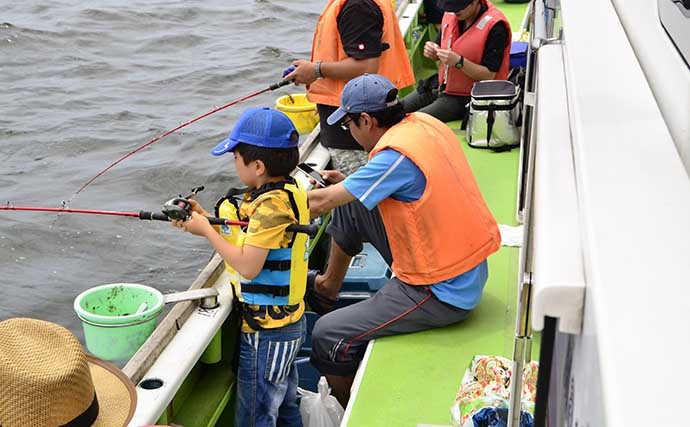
{"points": [[197, 224], [196, 207]]}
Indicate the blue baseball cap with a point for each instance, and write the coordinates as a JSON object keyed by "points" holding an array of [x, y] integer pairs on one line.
{"points": [[366, 93], [261, 127]]}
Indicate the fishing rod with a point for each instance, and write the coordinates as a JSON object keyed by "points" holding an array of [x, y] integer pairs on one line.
{"points": [[177, 208], [147, 215], [272, 87], [310, 229]]}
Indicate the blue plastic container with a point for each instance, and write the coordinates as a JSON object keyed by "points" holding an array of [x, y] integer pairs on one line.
{"points": [[518, 54], [308, 374], [368, 272], [306, 346]]}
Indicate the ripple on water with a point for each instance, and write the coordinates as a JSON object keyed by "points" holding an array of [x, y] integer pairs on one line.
{"points": [[82, 87]]}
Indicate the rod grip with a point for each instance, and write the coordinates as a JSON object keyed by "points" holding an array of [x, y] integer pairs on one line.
{"points": [[311, 229], [280, 84], [216, 221], [153, 216]]}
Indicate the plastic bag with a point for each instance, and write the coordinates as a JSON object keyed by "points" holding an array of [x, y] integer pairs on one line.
{"points": [[498, 417], [320, 409]]}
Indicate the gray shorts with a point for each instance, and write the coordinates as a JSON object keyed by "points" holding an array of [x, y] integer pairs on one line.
{"points": [[444, 107], [339, 338]]}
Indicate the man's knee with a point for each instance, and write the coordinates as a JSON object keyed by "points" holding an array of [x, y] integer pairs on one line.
{"points": [[345, 231], [323, 328]]}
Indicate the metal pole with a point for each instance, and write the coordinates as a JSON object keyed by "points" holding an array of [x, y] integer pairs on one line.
{"points": [[523, 326], [521, 350]]}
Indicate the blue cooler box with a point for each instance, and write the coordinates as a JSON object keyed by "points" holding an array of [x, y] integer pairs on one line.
{"points": [[368, 272]]}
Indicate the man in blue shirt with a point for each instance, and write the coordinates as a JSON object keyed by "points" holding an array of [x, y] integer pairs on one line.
{"points": [[370, 109]]}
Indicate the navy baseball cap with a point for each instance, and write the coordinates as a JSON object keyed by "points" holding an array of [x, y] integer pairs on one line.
{"points": [[453, 6], [366, 93], [261, 127]]}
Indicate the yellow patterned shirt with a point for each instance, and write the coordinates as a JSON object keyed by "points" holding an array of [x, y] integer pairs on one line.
{"points": [[269, 215]]}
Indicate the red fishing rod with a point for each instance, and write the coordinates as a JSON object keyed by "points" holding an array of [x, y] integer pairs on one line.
{"points": [[155, 216], [274, 86], [175, 209]]}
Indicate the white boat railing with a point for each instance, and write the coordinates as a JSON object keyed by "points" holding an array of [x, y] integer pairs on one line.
{"points": [[558, 272], [172, 365], [632, 202]]}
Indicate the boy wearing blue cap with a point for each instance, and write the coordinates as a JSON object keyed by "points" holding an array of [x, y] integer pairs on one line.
{"points": [[271, 261]]}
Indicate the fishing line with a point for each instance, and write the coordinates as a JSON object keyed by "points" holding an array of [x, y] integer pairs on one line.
{"points": [[163, 135]]}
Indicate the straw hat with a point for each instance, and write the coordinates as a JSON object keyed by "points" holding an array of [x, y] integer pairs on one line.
{"points": [[46, 379]]}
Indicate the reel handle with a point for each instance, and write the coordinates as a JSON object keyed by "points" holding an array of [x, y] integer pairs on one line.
{"points": [[310, 230]]}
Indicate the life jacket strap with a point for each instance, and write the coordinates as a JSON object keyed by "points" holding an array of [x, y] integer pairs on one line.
{"points": [[276, 291], [275, 265]]}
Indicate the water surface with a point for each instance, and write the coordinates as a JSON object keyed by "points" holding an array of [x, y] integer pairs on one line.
{"points": [[83, 83]]}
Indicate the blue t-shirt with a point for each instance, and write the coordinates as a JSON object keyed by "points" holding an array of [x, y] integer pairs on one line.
{"points": [[390, 174]]}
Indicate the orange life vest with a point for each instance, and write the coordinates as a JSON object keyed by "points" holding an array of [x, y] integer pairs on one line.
{"points": [[449, 230], [470, 45], [327, 47]]}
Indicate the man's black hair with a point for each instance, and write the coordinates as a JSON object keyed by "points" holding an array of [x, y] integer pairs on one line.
{"points": [[279, 162], [390, 116]]}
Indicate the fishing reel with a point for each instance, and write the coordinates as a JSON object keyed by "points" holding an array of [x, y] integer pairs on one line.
{"points": [[179, 208]]}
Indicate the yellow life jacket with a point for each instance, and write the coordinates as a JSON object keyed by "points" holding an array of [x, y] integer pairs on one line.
{"points": [[282, 280]]}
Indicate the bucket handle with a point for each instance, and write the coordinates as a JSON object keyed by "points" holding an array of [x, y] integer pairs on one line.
{"points": [[208, 297], [99, 325]]}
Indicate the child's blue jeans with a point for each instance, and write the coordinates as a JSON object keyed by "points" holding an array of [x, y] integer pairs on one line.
{"points": [[267, 379]]}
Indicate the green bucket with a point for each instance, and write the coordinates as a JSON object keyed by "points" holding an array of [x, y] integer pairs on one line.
{"points": [[118, 318]]}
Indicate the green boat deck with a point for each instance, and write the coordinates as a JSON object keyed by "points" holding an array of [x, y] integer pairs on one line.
{"points": [[412, 379]]}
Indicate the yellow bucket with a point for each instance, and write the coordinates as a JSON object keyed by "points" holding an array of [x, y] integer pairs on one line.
{"points": [[302, 112]]}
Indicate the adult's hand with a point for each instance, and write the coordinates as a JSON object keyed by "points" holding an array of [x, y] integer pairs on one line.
{"points": [[304, 73], [430, 49], [288, 70], [322, 200], [330, 176], [333, 176], [448, 57]]}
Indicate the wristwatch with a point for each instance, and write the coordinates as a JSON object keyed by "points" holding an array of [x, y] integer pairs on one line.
{"points": [[460, 63], [317, 70]]}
